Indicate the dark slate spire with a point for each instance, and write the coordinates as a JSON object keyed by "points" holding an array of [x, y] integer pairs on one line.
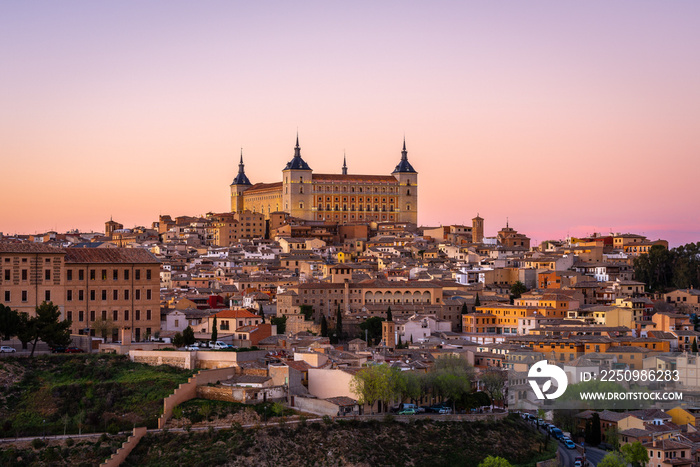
{"points": [[241, 178], [297, 163], [345, 166], [404, 165]]}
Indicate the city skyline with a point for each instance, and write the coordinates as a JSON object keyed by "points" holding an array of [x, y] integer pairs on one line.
{"points": [[562, 119]]}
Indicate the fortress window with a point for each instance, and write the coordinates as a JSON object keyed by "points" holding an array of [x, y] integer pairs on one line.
{"points": [[301, 205], [301, 190], [408, 192], [352, 189], [408, 207]]}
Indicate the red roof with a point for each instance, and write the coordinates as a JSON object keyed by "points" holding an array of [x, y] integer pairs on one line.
{"points": [[234, 314]]}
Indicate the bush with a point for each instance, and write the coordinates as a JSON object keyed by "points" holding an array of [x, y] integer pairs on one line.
{"points": [[38, 443], [70, 442], [327, 420], [113, 428]]}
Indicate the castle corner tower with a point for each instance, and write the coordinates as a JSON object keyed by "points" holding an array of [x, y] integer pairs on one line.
{"points": [[297, 178], [407, 177], [239, 185]]}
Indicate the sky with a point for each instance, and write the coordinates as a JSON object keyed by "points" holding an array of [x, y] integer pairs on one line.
{"points": [[561, 118]]}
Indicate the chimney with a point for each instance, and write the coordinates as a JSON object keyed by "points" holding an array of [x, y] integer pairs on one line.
{"points": [[126, 335]]}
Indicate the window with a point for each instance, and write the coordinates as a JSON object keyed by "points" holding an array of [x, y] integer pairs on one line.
{"points": [[81, 295], [126, 274], [126, 315], [137, 295], [81, 275], [126, 295], [137, 275], [148, 274], [115, 295], [69, 275], [148, 294], [104, 274], [148, 316], [115, 315], [92, 315], [115, 275], [81, 315], [92, 274], [24, 295], [24, 274], [92, 295], [69, 316], [47, 274], [47, 295], [7, 296], [7, 274], [104, 315], [137, 315], [104, 295]]}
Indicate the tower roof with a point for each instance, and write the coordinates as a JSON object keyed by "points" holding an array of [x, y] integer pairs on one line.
{"points": [[297, 163], [241, 178], [404, 166]]}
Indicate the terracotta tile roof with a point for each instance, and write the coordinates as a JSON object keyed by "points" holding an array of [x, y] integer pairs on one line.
{"points": [[265, 187], [354, 178], [241, 313], [28, 248], [110, 256]]}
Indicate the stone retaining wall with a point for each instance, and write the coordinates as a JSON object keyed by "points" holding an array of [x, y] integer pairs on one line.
{"points": [[124, 451]]}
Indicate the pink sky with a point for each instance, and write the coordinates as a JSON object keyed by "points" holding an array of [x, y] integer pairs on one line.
{"points": [[563, 118]]}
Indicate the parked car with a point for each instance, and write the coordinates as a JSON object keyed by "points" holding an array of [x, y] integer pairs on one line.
{"points": [[445, 410], [407, 412], [218, 345], [419, 409], [569, 444], [194, 346], [578, 463], [74, 350], [7, 349], [58, 349]]}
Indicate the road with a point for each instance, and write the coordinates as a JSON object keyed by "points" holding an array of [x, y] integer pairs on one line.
{"points": [[568, 456]]}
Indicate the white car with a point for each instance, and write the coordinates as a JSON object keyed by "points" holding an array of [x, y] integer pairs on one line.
{"points": [[194, 346], [218, 345], [7, 348]]}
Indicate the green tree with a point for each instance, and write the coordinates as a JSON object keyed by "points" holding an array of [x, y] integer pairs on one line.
{"points": [[655, 269], [214, 331], [494, 461], [339, 324], [307, 311], [188, 336], [477, 301], [178, 340], [592, 432], [612, 437], [388, 314], [376, 383], [451, 378], [398, 343], [324, 326], [9, 322], [695, 345], [635, 454], [465, 308], [373, 326], [613, 459], [280, 322], [517, 289], [48, 327], [26, 332], [102, 327], [410, 386]]}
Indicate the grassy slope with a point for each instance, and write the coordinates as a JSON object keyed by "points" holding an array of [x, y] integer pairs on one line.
{"points": [[345, 443], [54, 453], [101, 392]]}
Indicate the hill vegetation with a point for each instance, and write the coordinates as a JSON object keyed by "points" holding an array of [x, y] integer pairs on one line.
{"points": [[54, 394]]}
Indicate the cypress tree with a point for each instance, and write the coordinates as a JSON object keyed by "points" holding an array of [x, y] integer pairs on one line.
{"points": [[388, 314], [339, 323], [477, 302], [214, 332], [324, 326]]}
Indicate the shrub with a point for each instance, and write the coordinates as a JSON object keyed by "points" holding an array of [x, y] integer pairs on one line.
{"points": [[38, 443], [113, 428], [177, 412], [70, 442], [327, 420]]}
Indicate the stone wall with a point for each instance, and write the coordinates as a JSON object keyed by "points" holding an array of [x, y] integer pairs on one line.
{"points": [[216, 393], [187, 391], [124, 451], [180, 359]]}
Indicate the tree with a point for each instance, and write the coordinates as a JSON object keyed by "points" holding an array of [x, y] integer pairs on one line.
{"points": [[635, 454], [48, 327], [214, 331], [494, 382], [307, 311], [261, 312], [398, 343], [27, 331], [410, 386], [388, 314], [102, 327], [178, 340], [188, 336], [9, 322], [592, 433], [280, 322], [451, 378], [613, 459], [324, 326], [477, 302], [612, 437], [517, 289], [465, 308], [695, 345], [373, 326], [339, 323], [494, 461], [376, 383]]}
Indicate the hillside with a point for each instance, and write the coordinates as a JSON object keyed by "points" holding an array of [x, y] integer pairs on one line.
{"points": [[355, 443], [100, 392]]}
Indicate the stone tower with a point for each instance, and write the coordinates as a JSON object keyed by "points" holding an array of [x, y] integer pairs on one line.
{"points": [[477, 229], [239, 185], [408, 189], [297, 193]]}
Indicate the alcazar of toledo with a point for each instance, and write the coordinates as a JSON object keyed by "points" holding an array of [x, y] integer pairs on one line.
{"points": [[340, 198]]}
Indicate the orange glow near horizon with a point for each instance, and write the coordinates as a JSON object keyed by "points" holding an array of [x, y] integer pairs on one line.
{"points": [[566, 120]]}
